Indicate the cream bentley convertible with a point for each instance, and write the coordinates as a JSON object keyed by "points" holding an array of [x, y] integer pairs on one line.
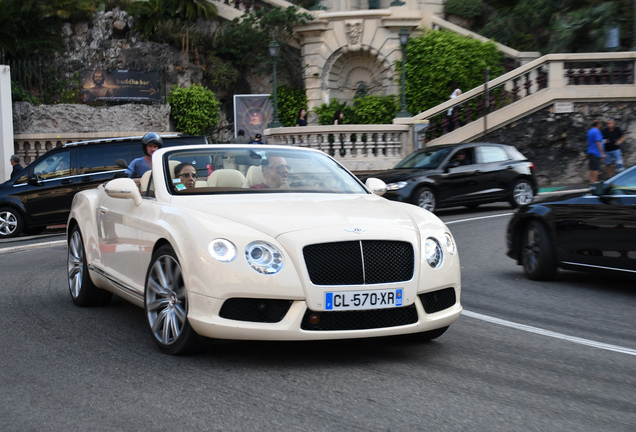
{"points": [[262, 243]]}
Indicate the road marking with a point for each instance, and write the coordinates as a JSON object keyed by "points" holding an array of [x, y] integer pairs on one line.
{"points": [[549, 333], [477, 218], [32, 246]]}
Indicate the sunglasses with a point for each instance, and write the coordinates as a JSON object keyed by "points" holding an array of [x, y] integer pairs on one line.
{"points": [[281, 168], [187, 175]]}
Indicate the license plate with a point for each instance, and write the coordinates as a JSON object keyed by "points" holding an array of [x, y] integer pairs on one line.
{"points": [[375, 299]]}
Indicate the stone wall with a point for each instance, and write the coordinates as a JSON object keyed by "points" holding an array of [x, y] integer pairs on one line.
{"points": [[557, 144], [78, 118]]}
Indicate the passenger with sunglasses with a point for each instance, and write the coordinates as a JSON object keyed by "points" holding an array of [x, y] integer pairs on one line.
{"points": [[276, 174], [185, 175]]}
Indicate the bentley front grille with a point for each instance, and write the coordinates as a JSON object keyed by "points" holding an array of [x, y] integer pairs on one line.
{"points": [[362, 262]]}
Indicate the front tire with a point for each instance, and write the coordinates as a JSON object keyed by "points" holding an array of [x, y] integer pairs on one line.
{"points": [[11, 223], [537, 255], [425, 198], [166, 304], [521, 193], [83, 290]]}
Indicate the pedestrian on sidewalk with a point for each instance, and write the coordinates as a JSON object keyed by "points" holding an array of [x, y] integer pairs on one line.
{"points": [[614, 137], [595, 150], [15, 163]]}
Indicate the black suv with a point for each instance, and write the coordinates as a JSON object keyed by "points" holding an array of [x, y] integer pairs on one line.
{"points": [[41, 195]]}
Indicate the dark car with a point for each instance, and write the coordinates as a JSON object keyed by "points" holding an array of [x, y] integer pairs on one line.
{"points": [[593, 231], [42, 193], [461, 175]]}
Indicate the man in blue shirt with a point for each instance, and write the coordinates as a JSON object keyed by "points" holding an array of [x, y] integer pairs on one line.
{"points": [[595, 150]]}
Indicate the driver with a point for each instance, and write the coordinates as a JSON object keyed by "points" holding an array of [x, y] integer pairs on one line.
{"points": [[276, 174]]}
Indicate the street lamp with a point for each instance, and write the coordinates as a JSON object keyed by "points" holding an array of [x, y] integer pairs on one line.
{"points": [[273, 53], [404, 40]]}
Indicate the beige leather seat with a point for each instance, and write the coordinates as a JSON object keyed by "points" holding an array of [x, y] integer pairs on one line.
{"points": [[254, 177], [144, 182], [173, 164], [226, 178]]}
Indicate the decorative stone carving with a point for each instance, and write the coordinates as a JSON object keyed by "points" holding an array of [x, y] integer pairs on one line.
{"points": [[353, 28]]}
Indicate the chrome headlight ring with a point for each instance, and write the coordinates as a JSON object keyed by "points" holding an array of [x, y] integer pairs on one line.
{"points": [[264, 257]]}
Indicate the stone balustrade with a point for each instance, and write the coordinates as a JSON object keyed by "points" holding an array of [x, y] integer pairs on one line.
{"points": [[358, 147], [549, 79]]}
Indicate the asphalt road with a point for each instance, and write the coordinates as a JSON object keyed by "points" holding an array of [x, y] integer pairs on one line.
{"points": [[525, 356]]}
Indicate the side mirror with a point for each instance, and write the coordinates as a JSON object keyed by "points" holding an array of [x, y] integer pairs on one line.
{"points": [[121, 163], [123, 188], [599, 188], [376, 186], [451, 164]]}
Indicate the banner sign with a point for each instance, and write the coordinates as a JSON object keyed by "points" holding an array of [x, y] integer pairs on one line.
{"points": [[120, 85], [252, 113]]}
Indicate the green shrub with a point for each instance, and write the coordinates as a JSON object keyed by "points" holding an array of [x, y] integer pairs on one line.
{"points": [[326, 112], [195, 110], [290, 101], [374, 109], [20, 94], [436, 57], [464, 8]]}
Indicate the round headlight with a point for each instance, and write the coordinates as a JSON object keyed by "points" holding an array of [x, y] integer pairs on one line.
{"points": [[222, 250], [264, 257], [433, 252], [450, 244]]}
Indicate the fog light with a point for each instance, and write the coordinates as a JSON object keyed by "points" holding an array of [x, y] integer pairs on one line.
{"points": [[314, 318]]}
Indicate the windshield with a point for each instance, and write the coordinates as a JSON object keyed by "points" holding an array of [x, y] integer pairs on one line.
{"points": [[428, 158], [248, 170]]}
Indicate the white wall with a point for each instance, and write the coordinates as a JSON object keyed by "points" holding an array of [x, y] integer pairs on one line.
{"points": [[6, 123]]}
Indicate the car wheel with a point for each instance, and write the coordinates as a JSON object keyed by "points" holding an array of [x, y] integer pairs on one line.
{"points": [[521, 193], [427, 335], [83, 290], [11, 223], [166, 304], [425, 198], [537, 254]]}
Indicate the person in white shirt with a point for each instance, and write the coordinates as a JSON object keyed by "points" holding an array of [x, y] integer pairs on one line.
{"points": [[452, 85]]}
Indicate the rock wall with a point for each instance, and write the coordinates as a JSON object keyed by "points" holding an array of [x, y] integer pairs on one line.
{"points": [[557, 144], [30, 119]]}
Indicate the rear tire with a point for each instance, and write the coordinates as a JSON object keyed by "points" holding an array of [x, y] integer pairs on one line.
{"points": [[166, 304], [83, 290], [521, 193], [537, 255], [425, 198], [11, 222]]}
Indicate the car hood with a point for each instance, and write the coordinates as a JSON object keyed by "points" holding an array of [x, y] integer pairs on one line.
{"points": [[401, 174], [277, 214]]}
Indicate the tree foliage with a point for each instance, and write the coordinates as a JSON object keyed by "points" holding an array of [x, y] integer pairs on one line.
{"points": [[436, 57], [464, 8], [30, 27], [151, 13], [195, 109], [244, 43], [556, 25]]}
